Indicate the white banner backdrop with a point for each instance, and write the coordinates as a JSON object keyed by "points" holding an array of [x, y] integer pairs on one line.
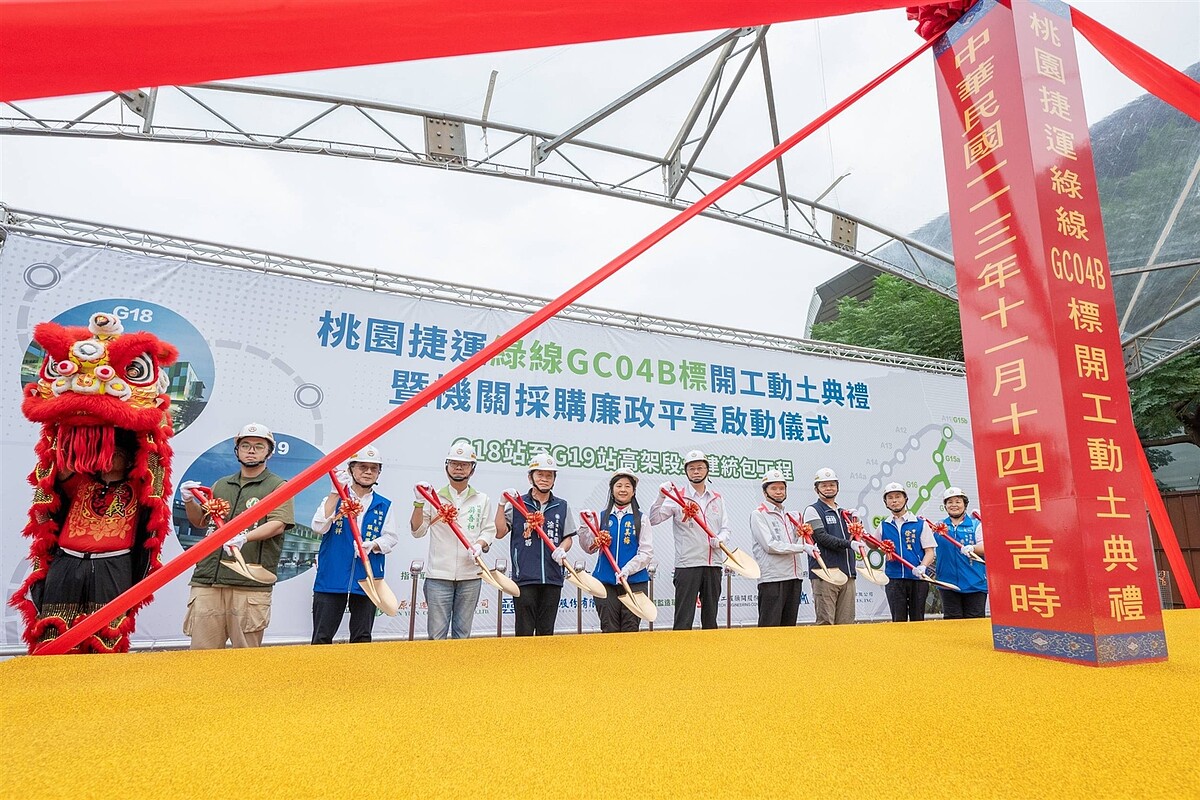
{"points": [[317, 363]]}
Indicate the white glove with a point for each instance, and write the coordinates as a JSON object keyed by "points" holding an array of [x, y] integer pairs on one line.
{"points": [[715, 542], [371, 547], [343, 477], [663, 488], [510, 493], [860, 547], [967, 550], [420, 498], [622, 575], [558, 554], [185, 489], [476, 551], [919, 571], [237, 541], [810, 551]]}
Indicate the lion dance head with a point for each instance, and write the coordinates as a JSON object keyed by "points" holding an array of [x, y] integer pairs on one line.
{"points": [[99, 390]]}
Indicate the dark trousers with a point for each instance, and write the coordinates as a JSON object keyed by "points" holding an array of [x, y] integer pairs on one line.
{"points": [[778, 603], [906, 598], [537, 609], [964, 605], [615, 617], [692, 583], [328, 609]]}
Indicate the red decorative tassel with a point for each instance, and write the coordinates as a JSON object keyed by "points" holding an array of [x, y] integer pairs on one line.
{"points": [[934, 20]]}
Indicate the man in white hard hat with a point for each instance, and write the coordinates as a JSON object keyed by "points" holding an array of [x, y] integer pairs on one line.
{"points": [[451, 575], [697, 558], [339, 568], [777, 551], [536, 568], [834, 604], [914, 542], [970, 602], [226, 607]]}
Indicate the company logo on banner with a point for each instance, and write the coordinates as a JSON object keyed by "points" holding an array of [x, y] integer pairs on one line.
{"points": [[317, 363]]}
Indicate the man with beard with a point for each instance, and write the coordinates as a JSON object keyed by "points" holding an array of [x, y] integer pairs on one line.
{"points": [[225, 607], [698, 557]]}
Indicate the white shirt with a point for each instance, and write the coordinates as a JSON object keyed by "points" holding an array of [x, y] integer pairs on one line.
{"points": [[692, 545], [448, 559]]}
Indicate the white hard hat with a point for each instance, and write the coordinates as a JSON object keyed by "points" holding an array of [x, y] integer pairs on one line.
{"points": [[894, 487], [368, 455], [773, 476], [954, 491], [254, 429], [694, 455], [462, 450], [824, 474], [543, 461], [623, 473]]}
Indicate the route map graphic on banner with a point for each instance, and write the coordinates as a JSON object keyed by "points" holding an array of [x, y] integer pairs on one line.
{"points": [[312, 361]]}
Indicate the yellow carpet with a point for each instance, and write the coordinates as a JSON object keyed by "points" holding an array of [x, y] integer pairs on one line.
{"points": [[910, 710]]}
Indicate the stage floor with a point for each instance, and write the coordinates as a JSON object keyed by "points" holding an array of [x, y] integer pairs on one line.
{"points": [[921, 709]]}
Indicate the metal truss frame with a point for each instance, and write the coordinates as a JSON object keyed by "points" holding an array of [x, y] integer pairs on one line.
{"points": [[218, 114], [63, 229]]}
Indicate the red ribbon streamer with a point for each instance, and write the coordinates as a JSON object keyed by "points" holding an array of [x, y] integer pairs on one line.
{"points": [[377, 429]]}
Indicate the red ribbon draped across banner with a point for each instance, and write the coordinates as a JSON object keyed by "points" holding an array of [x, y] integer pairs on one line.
{"points": [[59, 47]]}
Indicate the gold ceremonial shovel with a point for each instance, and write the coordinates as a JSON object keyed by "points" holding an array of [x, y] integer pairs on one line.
{"points": [[255, 572], [376, 589], [736, 559], [831, 575], [492, 577], [581, 579], [638, 603]]}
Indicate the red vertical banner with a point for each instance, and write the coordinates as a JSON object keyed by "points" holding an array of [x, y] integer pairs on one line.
{"points": [[1070, 567]]}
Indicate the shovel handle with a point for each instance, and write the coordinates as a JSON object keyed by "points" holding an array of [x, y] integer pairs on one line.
{"points": [[353, 520], [519, 505], [807, 537], [954, 541], [436, 502], [204, 494], [677, 495]]}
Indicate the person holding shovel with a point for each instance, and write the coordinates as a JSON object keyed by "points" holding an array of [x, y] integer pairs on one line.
{"points": [[536, 567], [698, 557], [778, 553], [339, 568], [452, 575], [962, 568], [912, 539], [834, 603], [629, 540], [226, 607]]}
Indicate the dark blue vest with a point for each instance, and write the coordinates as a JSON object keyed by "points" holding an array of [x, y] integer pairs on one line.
{"points": [[531, 561], [339, 569], [624, 547]]}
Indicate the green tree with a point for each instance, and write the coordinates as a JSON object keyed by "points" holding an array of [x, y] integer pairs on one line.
{"points": [[906, 318], [901, 317]]}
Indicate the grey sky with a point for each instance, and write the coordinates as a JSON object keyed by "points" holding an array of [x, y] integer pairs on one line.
{"points": [[539, 240]]}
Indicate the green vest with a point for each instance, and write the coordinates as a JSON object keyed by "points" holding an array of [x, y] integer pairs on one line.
{"points": [[242, 493]]}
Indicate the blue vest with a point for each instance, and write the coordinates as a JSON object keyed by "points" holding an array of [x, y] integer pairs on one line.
{"points": [[835, 526], [531, 561], [339, 569], [908, 546], [624, 547], [969, 576]]}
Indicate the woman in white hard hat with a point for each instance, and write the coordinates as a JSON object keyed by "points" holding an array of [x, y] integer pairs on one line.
{"points": [[339, 569], [630, 544], [970, 602]]}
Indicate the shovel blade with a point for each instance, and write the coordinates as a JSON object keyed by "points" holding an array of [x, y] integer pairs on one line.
{"points": [[743, 564], [639, 605], [873, 575], [255, 572], [585, 581], [381, 595], [832, 576], [504, 583]]}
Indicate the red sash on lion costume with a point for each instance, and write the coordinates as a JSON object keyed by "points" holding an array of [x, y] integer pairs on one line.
{"points": [[93, 382]]}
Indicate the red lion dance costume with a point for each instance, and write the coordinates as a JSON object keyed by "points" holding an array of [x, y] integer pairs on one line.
{"points": [[99, 394]]}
